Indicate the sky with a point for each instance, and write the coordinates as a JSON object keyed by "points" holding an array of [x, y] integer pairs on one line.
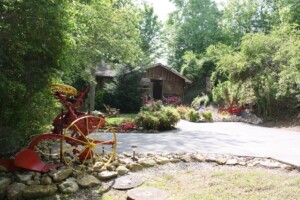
{"points": [[163, 7]]}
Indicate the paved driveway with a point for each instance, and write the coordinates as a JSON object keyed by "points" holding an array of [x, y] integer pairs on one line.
{"points": [[218, 137]]}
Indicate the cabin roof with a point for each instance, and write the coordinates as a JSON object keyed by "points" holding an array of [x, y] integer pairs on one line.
{"points": [[171, 70]]}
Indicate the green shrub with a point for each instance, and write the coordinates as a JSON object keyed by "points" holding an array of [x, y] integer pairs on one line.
{"points": [[199, 100], [99, 100], [207, 115], [192, 115], [153, 106], [182, 111], [147, 120], [168, 117], [163, 118]]}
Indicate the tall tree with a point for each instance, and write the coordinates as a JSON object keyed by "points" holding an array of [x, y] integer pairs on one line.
{"points": [[104, 31], [249, 16], [151, 36], [33, 42], [193, 27]]}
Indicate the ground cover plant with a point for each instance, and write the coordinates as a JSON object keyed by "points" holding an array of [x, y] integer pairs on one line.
{"points": [[123, 122]]}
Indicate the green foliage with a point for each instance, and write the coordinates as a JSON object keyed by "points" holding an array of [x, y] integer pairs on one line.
{"points": [[199, 100], [153, 106], [265, 71], [207, 115], [151, 32], [168, 117], [147, 120], [33, 43], [123, 92], [99, 100], [157, 117], [248, 16], [192, 115], [197, 69], [182, 110], [192, 27]]}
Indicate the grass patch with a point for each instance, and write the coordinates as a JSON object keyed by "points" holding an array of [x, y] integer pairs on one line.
{"points": [[228, 184], [120, 118]]}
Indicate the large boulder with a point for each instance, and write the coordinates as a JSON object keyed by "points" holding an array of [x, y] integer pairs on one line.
{"points": [[38, 191], [15, 190], [4, 182], [68, 186], [62, 174], [88, 181]]}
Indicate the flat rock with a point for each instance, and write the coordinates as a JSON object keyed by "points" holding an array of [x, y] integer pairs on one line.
{"points": [[147, 194], [98, 166], [271, 165], [232, 162], [46, 180], [15, 190], [38, 191], [162, 160], [221, 161], [105, 175], [4, 182], [128, 182], [62, 174], [88, 181], [134, 167], [147, 162], [186, 158], [23, 178], [33, 182], [174, 160], [3, 169], [198, 158], [68, 186], [122, 170]]}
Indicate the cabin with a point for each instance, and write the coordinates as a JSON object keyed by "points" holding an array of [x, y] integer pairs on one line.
{"points": [[161, 82], [158, 81]]}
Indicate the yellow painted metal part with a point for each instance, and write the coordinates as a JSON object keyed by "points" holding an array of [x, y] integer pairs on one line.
{"points": [[66, 89]]}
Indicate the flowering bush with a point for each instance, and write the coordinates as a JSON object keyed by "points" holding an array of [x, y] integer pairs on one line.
{"points": [[152, 106], [192, 115], [182, 111], [207, 115], [172, 101], [168, 117], [126, 125], [147, 120]]}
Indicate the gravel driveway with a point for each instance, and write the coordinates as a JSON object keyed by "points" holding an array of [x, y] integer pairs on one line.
{"points": [[218, 137]]}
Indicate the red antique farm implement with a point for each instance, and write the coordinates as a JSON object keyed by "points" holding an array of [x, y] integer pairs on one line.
{"points": [[232, 108], [78, 139]]}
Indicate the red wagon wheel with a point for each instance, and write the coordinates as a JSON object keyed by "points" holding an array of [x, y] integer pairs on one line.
{"points": [[85, 143]]}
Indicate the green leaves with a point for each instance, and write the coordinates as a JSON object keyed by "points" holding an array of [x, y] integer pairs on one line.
{"points": [[266, 66]]}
